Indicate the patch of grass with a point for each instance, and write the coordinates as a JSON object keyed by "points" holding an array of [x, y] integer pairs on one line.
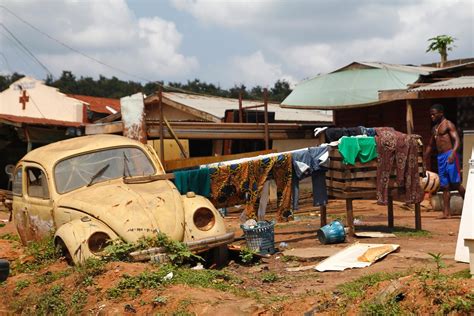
{"points": [[51, 302], [133, 285], [373, 308], [12, 237], [410, 232], [78, 301], [178, 252], [288, 258], [356, 289], [49, 277], [269, 277], [20, 285], [463, 274], [44, 252], [182, 309], [89, 269], [2, 225], [159, 300]]}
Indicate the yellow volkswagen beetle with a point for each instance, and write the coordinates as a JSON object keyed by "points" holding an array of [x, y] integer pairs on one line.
{"points": [[92, 189]]}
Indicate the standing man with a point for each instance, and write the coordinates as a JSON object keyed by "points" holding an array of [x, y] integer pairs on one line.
{"points": [[446, 138]]}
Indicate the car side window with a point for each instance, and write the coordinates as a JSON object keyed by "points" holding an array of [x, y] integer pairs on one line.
{"points": [[17, 180], [37, 183]]}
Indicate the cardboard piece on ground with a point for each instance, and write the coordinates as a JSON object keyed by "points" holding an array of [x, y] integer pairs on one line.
{"points": [[374, 235], [466, 227], [311, 253], [356, 256]]}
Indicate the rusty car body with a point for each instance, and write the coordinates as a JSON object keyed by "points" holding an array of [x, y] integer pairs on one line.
{"points": [[92, 189]]}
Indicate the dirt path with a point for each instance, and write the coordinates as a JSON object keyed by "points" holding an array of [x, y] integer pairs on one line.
{"points": [[288, 293]]}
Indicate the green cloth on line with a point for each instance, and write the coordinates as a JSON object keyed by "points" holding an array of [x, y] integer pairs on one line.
{"points": [[352, 148], [196, 180]]}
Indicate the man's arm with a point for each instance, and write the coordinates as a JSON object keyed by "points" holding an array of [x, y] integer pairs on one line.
{"points": [[455, 138], [428, 150]]}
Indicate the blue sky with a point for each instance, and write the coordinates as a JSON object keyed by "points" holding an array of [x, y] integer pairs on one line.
{"points": [[227, 42]]}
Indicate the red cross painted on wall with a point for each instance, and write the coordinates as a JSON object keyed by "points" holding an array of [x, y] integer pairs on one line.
{"points": [[23, 99]]}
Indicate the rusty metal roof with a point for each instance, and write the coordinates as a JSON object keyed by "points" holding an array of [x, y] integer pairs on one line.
{"points": [[98, 104], [466, 82], [216, 107]]}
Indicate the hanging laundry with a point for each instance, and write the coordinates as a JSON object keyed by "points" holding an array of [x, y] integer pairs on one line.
{"points": [[399, 150], [242, 183], [362, 147], [310, 162], [335, 133], [196, 180]]}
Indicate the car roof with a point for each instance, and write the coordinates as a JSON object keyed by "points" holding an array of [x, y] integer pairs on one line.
{"points": [[50, 154]]}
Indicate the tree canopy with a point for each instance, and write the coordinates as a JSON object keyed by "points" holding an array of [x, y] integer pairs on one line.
{"points": [[116, 88]]}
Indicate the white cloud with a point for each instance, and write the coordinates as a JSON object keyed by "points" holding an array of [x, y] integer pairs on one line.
{"points": [[106, 30], [254, 70]]}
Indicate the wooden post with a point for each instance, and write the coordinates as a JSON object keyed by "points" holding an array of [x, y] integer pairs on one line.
{"points": [[265, 106], [390, 211], [323, 214], [162, 130], [350, 217], [170, 129], [417, 216], [241, 114], [409, 118]]}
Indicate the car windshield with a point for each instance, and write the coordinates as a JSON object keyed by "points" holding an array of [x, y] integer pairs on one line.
{"points": [[84, 170]]}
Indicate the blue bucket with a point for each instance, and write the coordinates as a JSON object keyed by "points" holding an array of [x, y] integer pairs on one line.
{"points": [[332, 233]]}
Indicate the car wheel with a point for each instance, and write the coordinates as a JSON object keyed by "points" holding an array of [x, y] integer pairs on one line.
{"points": [[4, 269], [61, 246]]}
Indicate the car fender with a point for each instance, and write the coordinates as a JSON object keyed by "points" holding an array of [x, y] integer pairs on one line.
{"points": [[191, 203], [75, 235]]}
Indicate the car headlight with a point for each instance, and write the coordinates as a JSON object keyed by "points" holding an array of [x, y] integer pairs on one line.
{"points": [[98, 241], [204, 218]]}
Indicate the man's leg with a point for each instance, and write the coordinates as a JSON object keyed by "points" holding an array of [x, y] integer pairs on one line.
{"points": [[459, 187], [446, 199]]}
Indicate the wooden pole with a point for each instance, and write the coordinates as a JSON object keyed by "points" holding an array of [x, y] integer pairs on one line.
{"points": [[350, 217], [183, 151], [265, 107], [323, 215], [390, 211], [241, 114], [162, 130], [409, 118], [417, 216]]}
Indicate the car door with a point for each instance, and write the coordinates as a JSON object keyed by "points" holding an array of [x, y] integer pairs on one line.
{"points": [[37, 201], [20, 210]]}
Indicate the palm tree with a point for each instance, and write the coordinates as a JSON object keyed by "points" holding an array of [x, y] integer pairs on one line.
{"points": [[441, 44]]}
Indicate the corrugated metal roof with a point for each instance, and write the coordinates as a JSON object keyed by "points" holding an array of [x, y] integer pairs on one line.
{"points": [[216, 106], [98, 104], [422, 70], [349, 88], [466, 82]]}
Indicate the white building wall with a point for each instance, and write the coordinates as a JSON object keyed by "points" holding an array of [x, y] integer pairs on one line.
{"points": [[44, 102]]}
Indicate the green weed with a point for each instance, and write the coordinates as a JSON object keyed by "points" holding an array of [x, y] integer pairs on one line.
{"points": [[20, 285], [89, 269], [51, 302], [463, 274], [78, 301], [43, 252], [269, 277], [390, 307], [10, 237], [409, 232], [247, 255], [356, 289], [49, 277], [438, 259]]}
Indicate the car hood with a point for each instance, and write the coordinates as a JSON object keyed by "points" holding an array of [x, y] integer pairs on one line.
{"points": [[131, 210]]}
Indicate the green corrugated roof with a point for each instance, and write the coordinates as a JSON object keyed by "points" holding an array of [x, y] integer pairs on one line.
{"points": [[348, 88]]}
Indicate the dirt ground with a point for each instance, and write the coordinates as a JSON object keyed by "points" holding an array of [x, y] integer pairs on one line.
{"points": [[289, 293]]}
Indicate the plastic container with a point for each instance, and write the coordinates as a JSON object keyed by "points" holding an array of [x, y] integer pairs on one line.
{"points": [[261, 237], [332, 233]]}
